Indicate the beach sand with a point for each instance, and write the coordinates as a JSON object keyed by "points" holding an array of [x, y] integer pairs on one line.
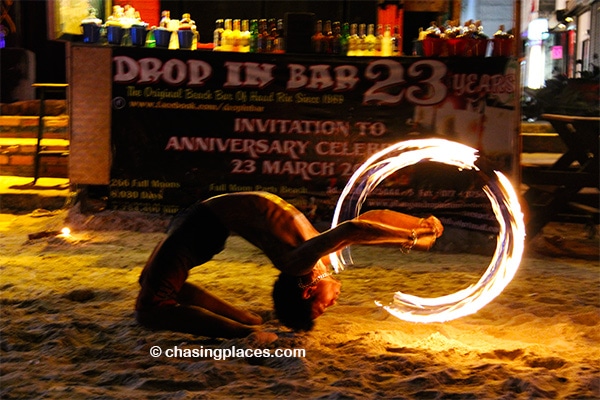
{"points": [[68, 329]]}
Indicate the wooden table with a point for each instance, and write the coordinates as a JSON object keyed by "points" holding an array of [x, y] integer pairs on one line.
{"points": [[552, 190]]}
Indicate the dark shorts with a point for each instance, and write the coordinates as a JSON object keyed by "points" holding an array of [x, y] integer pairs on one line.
{"points": [[193, 238], [199, 231]]}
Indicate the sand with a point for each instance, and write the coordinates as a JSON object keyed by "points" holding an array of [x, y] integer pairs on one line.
{"points": [[68, 329]]}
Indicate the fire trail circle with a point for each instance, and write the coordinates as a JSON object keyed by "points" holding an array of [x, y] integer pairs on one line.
{"points": [[505, 206]]}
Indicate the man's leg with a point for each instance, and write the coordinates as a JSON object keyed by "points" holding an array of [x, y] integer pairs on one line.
{"points": [[192, 295], [400, 220], [194, 320], [373, 227]]}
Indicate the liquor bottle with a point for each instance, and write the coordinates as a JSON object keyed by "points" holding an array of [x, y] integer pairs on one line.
{"points": [[245, 37], [262, 36], [386, 42], [353, 41], [279, 42], [186, 22], [344, 38], [378, 39], [236, 35], [173, 26], [317, 38], [217, 34], [396, 42], [337, 38], [165, 18], [253, 36], [327, 38], [370, 41], [271, 34], [362, 37], [227, 36]]}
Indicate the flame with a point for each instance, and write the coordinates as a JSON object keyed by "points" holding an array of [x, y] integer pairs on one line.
{"points": [[505, 205], [65, 231]]}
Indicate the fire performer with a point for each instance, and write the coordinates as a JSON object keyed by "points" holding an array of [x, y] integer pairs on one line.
{"points": [[304, 288]]}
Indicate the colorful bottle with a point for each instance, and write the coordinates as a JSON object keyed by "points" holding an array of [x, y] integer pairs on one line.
{"points": [[217, 34], [344, 39], [271, 35], [262, 36], [353, 41], [253, 36], [245, 37], [362, 37], [236, 35], [370, 41], [396, 42], [386, 42], [280, 39], [227, 36], [378, 39], [337, 38], [165, 18], [327, 38], [317, 38]]}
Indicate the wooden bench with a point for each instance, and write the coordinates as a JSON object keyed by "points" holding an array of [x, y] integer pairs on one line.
{"points": [[552, 190]]}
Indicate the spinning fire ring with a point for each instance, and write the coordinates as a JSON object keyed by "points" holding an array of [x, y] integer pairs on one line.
{"points": [[505, 205]]}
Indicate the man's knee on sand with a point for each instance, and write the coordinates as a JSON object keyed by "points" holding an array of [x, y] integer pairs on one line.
{"points": [[151, 318]]}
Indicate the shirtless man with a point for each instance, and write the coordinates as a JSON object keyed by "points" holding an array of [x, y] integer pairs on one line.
{"points": [[304, 288]]}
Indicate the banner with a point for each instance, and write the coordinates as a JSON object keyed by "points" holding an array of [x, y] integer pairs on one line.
{"points": [[187, 125]]}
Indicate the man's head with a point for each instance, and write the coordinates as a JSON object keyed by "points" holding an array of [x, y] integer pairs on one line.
{"points": [[297, 307]]}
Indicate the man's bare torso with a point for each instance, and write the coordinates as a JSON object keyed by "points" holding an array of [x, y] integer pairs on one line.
{"points": [[264, 220]]}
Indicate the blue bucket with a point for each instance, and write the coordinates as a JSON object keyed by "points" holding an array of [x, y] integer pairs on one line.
{"points": [[138, 35], [91, 33], [114, 34], [162, 37], [186, 39]]}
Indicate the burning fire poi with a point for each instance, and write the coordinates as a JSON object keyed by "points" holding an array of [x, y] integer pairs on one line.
{"points": [[505, 205]]}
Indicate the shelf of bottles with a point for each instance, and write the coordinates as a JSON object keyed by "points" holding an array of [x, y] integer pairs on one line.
{"points": [[336, 38], [126, 27], [249, 36], [356, 39]]}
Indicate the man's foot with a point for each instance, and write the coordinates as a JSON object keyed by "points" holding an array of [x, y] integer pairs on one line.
{"points": [[429, 230], [262, 337], [250, 318], [434, 224]]}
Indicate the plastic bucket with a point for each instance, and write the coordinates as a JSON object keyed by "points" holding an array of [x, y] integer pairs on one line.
{"points": [[503, 47], [114, 34], [162, 37], [138, 35], [433, 46], [91, 33], [186, 38]]}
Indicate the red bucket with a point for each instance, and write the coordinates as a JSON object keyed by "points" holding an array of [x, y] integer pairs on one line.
{"points": [[456, 46], [433, 46], [476, 47], [503, 47]]}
